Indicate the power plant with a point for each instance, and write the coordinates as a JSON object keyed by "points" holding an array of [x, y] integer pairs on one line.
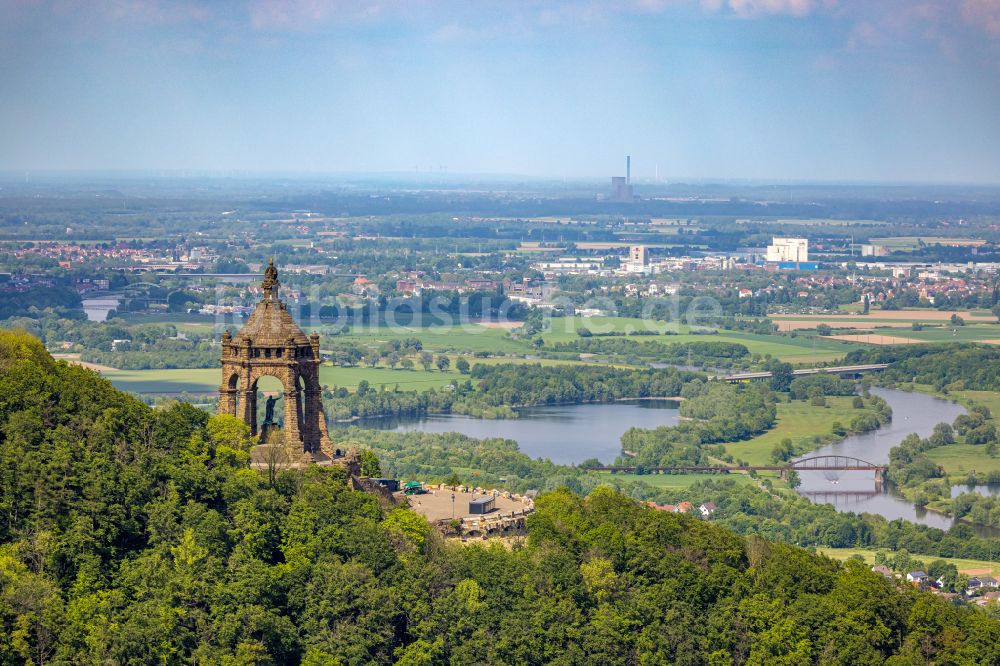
{"points": [[621, 186]]}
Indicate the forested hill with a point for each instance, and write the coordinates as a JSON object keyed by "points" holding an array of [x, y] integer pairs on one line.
{"points": [[134, 536]]}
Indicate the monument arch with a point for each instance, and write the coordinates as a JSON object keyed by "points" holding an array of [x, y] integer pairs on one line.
{"points": [[272, 344]]}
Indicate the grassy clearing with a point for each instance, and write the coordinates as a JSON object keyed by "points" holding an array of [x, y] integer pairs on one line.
{"points": [[206, 380], [563, 329], [466, 338], [187, 380], [960, 459], [990, 399], [798, 421], [963, 565]]}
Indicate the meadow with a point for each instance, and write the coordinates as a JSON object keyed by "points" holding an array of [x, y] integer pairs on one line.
{"points": [[463, 338], [798, 421], [184, 380], [470, 338], [464, 341], [206, 380], [959, 460], [971, 567], [799, 350]]}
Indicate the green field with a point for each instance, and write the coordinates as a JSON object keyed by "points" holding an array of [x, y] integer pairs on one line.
{"points": [[187, 380], [464, 338], [869, 555], [949, 333], [800, 349], [470, 338], [206, 380], [563, 329], [798, 421], [960, 459], [990, 399]]}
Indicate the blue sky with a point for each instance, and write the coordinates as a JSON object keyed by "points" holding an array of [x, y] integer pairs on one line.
{"points": [[839, 90]]}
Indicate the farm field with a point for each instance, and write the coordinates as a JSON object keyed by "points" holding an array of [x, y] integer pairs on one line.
{"points": [[798, 421], [812, 349], [875, 339], [472, 337], [794, 350], [970, 567], [563, 329], [786, 325], [985, 333], [911, 315], [974, 333], [206, 380], [464, 338]]}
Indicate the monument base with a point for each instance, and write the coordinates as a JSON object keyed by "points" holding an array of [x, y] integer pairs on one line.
{"points": [[267, 431]]}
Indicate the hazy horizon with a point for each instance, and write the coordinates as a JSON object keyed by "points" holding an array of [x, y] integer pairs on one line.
{"points": [[717, 91]]}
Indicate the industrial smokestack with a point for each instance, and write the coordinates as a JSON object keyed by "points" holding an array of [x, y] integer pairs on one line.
{"points": [[628, 169]]}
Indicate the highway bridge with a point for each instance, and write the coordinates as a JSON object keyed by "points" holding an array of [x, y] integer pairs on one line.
{"points": [[847, 371]]}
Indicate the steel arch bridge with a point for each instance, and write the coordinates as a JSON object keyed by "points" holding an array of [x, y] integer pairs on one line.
{"points": [[832, 463]]}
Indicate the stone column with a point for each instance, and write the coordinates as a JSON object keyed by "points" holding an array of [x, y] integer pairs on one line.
{"points": [[248, 408], [227, 397], [293, 424]]}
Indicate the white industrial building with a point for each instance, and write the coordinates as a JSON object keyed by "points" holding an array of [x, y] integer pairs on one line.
{"points": [[788, 250]]}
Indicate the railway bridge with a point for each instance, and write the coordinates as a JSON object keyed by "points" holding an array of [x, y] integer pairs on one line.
{"points": [[827, 463]]}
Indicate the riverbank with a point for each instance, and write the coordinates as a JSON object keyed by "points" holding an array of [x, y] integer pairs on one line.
{"points": [[501, 413], [958, 460], [961, 463], [808, 426]]}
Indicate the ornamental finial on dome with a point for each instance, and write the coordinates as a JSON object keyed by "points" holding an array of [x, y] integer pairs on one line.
{"points": [[270, 279]]}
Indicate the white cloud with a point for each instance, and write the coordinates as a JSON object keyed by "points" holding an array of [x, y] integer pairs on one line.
{"points": [[984, 14], [758, 7]]}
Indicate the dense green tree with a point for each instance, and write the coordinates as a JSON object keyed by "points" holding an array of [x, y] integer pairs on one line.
{"points": [[138, 535]]}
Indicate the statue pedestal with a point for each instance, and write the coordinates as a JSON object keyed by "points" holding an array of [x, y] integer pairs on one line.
{"points": [[267, 431]]}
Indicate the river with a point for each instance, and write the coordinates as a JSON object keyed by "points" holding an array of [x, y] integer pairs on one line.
{"points": [[855, 491], [97, 309], [565, 434], [570, 434]]}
